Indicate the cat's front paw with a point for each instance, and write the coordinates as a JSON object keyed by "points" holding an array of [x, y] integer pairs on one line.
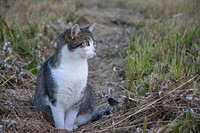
{"points": [[75, 127]]}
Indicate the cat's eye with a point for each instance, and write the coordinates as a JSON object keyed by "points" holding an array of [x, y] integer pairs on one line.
{"points": [[87, 44], [84, 44]]}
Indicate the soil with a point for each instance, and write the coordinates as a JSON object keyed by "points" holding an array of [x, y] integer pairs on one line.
{"points": [[106, 69], [107, 76]]}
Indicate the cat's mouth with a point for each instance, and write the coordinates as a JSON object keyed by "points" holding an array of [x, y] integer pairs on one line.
{"points": [[90, 55]]}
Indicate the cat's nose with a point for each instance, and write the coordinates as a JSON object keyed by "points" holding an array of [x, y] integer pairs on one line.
{"points": [[95, 50]]}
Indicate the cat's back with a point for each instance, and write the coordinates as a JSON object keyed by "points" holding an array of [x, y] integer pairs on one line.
{"points": [[44, 82], [43, 74]]}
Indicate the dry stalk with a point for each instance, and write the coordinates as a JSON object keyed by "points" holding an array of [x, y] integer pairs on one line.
{"points": [[150, 104]]}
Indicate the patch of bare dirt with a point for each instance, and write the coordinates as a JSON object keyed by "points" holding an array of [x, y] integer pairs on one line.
{"points": [[17, 113], [106, 76]]}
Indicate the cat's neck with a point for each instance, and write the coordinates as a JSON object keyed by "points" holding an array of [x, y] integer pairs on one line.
{"points": [[68, 59]]}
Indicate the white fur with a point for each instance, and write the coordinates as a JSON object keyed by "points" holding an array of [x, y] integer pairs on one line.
{"points": [[71, 80], [83, 119], [86, 53], [70, 117]]}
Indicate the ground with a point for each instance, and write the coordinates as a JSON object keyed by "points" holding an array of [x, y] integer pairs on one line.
{"points": [[107, 70]]}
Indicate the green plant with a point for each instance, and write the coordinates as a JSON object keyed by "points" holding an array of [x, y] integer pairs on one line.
{"points": [[22, 43], [166, 52], [187, 123]]}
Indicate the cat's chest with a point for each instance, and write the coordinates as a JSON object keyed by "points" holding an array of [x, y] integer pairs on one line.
{"points": [[70, 82], [68, 77]]}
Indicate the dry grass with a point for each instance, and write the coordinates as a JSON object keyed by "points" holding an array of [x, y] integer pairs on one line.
{"points": [[39, 11], [172, 103], [157, 109]]}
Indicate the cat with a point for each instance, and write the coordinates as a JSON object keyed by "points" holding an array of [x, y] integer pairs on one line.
{"points": [[62, 94]]}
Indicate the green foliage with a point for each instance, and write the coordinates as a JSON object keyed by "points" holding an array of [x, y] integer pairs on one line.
{"points": [[167, 48], [122, 5], [32, 30], [26, 47], [5, 33], [29, 21], [23, 44], [169, 53], [32, 67], [187, 123], [111, 54]]}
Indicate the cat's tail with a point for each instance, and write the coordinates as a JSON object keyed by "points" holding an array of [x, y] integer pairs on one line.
{"points": [[106, 111]]}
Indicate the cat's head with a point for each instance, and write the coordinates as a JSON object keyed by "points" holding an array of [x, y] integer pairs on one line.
{"points": [[80, 41]]}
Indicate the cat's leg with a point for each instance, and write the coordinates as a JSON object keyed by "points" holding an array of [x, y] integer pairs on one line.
{"points": [[58, 117], [70, 117], [83, 119]]}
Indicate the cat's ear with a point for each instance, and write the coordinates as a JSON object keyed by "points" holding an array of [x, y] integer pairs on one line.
{"points": [[91, 27], [74, 31]]}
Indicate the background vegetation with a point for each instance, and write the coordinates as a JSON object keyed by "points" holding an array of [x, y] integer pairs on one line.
{"points": [[157, 64]]}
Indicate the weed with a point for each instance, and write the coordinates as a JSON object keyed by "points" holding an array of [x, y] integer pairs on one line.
{"points": [[25, 35], [173, 55], [122, 5], [163, 50], [187, 123], [22, 44]]}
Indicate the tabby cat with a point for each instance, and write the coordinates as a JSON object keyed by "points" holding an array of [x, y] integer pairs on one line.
{"points": [[62, 93]]}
